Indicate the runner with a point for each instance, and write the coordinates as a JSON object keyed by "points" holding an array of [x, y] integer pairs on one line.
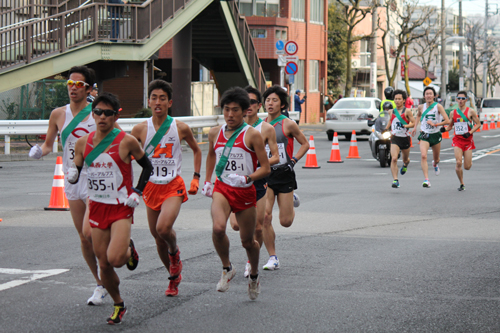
{"points": [[463, 143], [431, 116], [234, 150], [72, 122], [107, 153], [161, 137], [281, 183], [401, 120], [269, 136]]}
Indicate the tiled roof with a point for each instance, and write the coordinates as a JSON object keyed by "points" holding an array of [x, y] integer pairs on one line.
{"points": [[415, 72]]}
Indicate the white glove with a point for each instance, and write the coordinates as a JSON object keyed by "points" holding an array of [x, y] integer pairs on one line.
{"points": [[36, 152], [207, 189], [133, 200], [73, 174], [235, 180]]}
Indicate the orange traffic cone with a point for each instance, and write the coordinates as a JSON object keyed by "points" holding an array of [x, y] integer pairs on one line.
{"points": [[58, 199], [335, 154], [446, 135], [485, 123], [353, 149], [411, 143], [492, 124], [311, 161]]}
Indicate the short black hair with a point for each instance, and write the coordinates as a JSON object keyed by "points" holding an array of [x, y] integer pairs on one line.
{"points": [[400, 92], [109, 99], [462, 92], [281, 94], [88, 73], [256, 92], [237, 95], [430, 88], [160, 84]]}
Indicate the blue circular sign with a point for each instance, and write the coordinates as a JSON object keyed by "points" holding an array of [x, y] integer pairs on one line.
{"points": [[291, 68], [280, 45]]}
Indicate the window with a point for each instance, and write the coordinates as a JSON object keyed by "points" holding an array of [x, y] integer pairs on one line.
{"points": [[317, 11], [268, 8], [278, 34], [258, 33], [313, 75], [364, 52], [283, 35], [298, 9], [299, 77]]}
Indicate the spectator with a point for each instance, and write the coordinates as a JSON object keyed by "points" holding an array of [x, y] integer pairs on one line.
{"points": [[115, 12], [328, 101], [298, 101], [92, 94], [340, 97], [409, 102]]}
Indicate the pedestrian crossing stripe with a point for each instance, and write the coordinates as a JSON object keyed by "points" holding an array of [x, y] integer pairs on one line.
{"points": [[31, 276]]}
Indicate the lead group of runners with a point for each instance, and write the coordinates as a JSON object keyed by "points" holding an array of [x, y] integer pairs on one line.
{"points": [[253, 166]]}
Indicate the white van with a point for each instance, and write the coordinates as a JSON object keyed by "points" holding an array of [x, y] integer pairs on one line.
{"points": [[490, 109]]}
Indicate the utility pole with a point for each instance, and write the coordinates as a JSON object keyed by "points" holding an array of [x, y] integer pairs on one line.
{"points": [[443, 55], [461, 50], [373, 57], [485, 56]]}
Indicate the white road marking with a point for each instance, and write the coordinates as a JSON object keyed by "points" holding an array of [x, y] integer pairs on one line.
{"points": [[490, 136], [33, 275], [476, 155]]}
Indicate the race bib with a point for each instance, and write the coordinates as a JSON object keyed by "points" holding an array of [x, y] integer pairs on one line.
{"points": [[397, 128], [236, 163], [164, 170], [281, 153], [102, 185], [461, 128]]}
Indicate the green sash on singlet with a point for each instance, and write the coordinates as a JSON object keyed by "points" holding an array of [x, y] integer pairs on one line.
{"points": [[94, 153], [219, 168], [396, 113], [74, 122], [281, 117], [427, 110], [463, 116], [159, 134]]}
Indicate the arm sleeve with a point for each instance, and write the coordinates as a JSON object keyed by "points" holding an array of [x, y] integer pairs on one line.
{"points": [[145, 174]]}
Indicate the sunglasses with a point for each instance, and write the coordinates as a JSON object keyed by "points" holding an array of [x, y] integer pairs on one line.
{"points": [[461, 98], [78, 84], [107, 113], [254, 101]]}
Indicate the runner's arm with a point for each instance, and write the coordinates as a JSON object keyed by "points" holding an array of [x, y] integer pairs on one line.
{"points": [[417, 120], [388, 126], [77, 165], [187, 135], [142, 159], [300, 137], [409, 116], [446, 120], [260, 151], [210, 164], [475, 118], [273, 145], [47, 146]]}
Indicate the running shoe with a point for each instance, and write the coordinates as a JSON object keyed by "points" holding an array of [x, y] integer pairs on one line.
{"points": [[436, 168], [272, 264], [254, 288], [395, 184], [133, 261], [226, 277], [296, 200], [426, 183], [247, 269], [175, 263], [173, 285], [462, 187], [97, 298], [404, 168], [117, 316]]}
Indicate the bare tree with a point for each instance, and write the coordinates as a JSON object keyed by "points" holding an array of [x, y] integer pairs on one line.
{"points": [[352, 13], [474, 32]]}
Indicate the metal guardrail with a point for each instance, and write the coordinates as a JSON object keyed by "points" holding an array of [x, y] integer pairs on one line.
{"points": [[39, 127]]}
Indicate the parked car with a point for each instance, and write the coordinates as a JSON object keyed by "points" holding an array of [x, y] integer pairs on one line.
{"points": [[490, 109], [351, 114]]}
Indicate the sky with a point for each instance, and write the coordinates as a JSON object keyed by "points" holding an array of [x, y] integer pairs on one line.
{"points": [[469, 7]]}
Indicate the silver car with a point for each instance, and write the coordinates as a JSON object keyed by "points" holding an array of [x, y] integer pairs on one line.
{"points": [[351, 114]]}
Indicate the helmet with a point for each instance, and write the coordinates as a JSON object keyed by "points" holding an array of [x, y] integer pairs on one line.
{"points": [[389, 93], [387, 106]]}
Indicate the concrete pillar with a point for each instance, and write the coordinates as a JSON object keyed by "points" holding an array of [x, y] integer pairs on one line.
{"points": [[181, 72]]}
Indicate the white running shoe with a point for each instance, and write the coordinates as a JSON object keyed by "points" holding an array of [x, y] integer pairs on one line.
{"points": [[98, 296], [226, 277], [254, 288], [272, 264], [247, 270], [296, 200], [436, 168]]}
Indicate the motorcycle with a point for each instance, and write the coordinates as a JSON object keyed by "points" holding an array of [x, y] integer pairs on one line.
{"points": [[380, 140]]}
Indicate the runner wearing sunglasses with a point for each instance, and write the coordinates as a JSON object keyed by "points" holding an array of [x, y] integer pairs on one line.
{"points": [[466, 122], [72, 122], [431, 117], [107, 154], [161, 137]]}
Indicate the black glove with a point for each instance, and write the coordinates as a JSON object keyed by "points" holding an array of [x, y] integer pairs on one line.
{"points": [[304, 97], [466, 135], [442, 129]]}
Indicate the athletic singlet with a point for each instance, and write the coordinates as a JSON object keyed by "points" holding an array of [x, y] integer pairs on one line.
{"points": [[242, 160], [397, 128], [461, 125], [433, 115], [82, 129], [167, 156], [109, 178], [285, 144]]}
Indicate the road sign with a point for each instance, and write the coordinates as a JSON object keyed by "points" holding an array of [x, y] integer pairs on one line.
{"points": [[291, 68], [427, 81], [291, 47], [280, 45], [289, 58]]}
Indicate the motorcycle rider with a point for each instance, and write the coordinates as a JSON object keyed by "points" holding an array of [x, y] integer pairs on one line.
{"points": [[401, 119], [389, 97]]}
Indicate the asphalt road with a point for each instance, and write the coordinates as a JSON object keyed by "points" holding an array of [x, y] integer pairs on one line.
{"points": [[360, 256]]}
